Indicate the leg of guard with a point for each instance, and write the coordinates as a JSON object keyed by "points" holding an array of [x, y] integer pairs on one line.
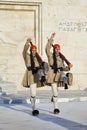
{"points": [[54, 89], [33, 102], [55, 102], [33, 90], [69, 78], [63, 78], [55, 95], [33, 95]]}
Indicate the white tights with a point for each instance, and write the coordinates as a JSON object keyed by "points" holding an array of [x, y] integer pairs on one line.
{"points": [[55, 94], [33, 95]]}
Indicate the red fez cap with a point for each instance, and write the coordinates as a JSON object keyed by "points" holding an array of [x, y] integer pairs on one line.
{"points": [[56, 46], [33, 47]]}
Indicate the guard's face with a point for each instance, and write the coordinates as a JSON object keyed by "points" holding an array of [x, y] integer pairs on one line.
{"points": [[57, 50], [34, 51]]}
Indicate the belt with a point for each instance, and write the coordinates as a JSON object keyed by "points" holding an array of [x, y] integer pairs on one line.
{"points": [[57, 69], [35, 68], [29, 68]]}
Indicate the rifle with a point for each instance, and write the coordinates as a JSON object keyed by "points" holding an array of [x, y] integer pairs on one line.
{"points": [[64, 58]]}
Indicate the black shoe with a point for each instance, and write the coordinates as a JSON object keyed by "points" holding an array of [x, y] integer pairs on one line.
{"points": [[35, 112], [56, 111], [66, 86]]}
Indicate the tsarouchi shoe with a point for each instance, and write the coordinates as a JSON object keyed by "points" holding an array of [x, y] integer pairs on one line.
{"points": [[35, 112], [56, 111]]}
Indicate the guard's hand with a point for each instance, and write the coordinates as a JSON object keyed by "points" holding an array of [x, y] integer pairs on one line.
{"points": [[70, 66], [61, 68], [53, 35], [28, 40]]}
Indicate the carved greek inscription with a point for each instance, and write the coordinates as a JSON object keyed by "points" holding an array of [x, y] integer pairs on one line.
{"points": [[70, 26]]}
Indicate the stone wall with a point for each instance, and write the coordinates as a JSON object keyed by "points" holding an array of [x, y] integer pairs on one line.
{"points": [[38, 19]]}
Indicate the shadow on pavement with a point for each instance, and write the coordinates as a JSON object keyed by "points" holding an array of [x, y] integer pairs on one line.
{"points": [[47, 116], [71, 125]]}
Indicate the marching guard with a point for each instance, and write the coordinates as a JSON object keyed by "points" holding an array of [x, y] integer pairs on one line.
{"points": [[35, 71], [56, 70]]}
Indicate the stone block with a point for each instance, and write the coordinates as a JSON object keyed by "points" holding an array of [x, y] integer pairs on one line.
{"points": [[8, 87]]}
